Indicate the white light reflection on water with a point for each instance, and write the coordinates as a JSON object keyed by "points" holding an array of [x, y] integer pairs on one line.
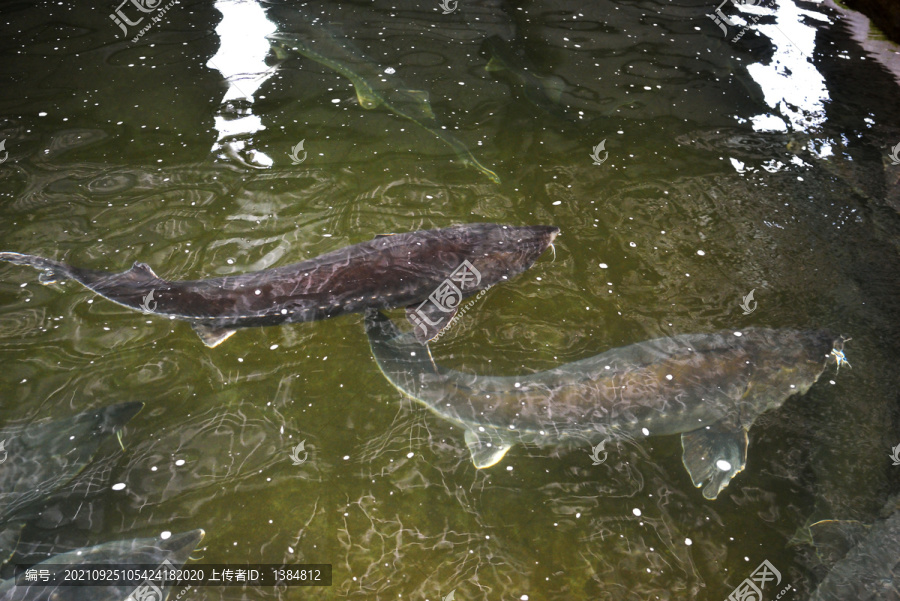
{"points": [[792, 85], [241, 61]]}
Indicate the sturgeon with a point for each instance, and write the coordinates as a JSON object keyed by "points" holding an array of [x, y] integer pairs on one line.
{"points": [[434, 268], [709, 388], [139, 555]]}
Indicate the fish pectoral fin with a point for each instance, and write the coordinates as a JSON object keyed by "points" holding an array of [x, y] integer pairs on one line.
{"points": [[714, 454], [423, 99], [211, 335], [494, 65], [553, 87], [429, 320], [486, 449]]}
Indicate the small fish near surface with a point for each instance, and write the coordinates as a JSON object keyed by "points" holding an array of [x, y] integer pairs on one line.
{"points": [[399, 270], [140, 554], [709, 388], [374, 85]]}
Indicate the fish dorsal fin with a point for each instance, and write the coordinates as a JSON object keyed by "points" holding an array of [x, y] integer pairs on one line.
{"points": [[833, 539], [211, 335], [486, 449], [429, 320], [714, 455], [141, 272]]}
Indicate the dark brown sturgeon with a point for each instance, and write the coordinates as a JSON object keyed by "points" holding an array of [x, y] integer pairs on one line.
{"points": [[428, 271]]}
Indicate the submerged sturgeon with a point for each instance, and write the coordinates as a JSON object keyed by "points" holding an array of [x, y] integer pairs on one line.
{"points": [[374, 86], [41, 458], [147, 555], [543, 92], [866, 565], [437, 268], [709, 388]]}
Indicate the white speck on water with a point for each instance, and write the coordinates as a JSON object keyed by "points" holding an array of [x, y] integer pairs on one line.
{"points": [[524, 598], [738, 334], [688, 542], [153, 469], [701, 253], [273, 347], [518, 385], [632, 244], [410, 455], [230, 261], [636, 511], [509, 468], [668, 376], [604, 266], [645, 431], [257, 292], [165, 534], [792, 386], [180, 462], [346, 457], [723, 465], [284, 311], [118, 486], [556, 203]]}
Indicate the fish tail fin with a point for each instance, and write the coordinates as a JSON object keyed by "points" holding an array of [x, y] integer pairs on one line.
{"points": [[52, 271]]}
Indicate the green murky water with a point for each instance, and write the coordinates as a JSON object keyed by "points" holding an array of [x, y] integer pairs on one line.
{"points": [[760, 164]]}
